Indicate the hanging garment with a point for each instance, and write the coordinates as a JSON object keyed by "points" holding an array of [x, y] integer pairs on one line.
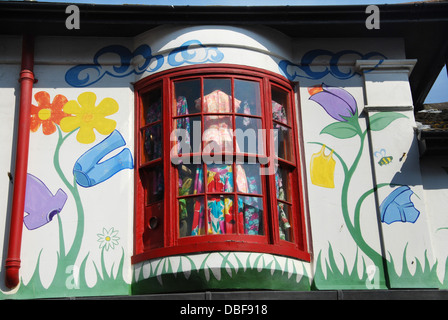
{"points": [[40, 204], [184, 122], [220, 178], [249, 212], [220, 215], [251, 208], [283, 222], [154, 112], [218, 131], [220, 210], [217, 102], [279, 186], [198, 227], [89, 171], [322, 169], [278, 112], [198, 184]]}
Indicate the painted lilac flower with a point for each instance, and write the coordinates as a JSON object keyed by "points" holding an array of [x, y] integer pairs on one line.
{"points": [[337, 102]]}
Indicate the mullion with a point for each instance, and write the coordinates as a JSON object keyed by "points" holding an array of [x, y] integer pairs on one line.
{"points": [[282, 124], [235, 186]]}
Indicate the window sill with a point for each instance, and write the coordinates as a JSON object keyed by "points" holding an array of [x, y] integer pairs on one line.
{"points": [[287, 249]]}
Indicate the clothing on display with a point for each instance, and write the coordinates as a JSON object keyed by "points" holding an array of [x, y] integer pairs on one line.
{"points": [[225, 214]]}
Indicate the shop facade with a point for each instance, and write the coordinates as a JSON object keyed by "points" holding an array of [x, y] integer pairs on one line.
{"points": [[198, 156]]}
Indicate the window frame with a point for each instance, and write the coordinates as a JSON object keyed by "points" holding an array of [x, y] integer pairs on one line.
{"points": [[270, 242]]}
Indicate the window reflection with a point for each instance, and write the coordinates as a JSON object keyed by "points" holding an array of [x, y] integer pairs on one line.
{"points": [[187, 92], [152, 106], [188, 134], [248, 92], [191, 216], [248, 178], [283, 142], [282, 184], [152, 141], [280, 106], [154, 182], [216, 84], [249, 135]]}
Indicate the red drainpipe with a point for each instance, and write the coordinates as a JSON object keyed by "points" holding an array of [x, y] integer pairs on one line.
{"points": [[12, 264]]}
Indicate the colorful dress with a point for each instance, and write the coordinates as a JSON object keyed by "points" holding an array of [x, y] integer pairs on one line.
{"points": [[218, 129], [184, 122], [283, 221]]}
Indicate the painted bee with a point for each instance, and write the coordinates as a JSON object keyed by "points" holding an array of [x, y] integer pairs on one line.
{"points": [[384, 159]]}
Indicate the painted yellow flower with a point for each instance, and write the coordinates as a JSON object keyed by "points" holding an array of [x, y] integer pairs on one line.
{"points": [[86, 116]]}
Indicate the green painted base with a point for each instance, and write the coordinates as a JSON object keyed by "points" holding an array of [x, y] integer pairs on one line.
{"points": [[221, 271]]}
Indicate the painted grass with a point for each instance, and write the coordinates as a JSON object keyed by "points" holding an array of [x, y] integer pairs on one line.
{"points": [[257, 271], [64, 283], [330, 277]]}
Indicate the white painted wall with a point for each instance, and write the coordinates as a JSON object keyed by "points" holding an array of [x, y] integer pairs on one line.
{"points": [[110, 204]]}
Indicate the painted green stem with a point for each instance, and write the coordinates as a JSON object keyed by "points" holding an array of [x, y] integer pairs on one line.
{"points": [[354, 228], [72, 254], [357, 218]]}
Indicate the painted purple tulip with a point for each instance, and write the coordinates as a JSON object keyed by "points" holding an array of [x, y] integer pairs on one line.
{"points": [[337, 102]]}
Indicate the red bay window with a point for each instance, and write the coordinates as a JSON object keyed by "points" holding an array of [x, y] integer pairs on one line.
{"points": [[217, 164]]}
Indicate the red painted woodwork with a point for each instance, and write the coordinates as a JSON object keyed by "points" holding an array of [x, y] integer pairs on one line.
{"points": [[157, 224]]}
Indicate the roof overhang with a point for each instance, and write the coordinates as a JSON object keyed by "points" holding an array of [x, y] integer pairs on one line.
{"points": [[422, 25]]}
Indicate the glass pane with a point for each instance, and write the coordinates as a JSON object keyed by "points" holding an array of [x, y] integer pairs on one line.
{"points": [[282, 184], [250, 212], [152, 106], [219, 178], [221, 218], [247, 97], [218, 134], [187, 134], [283, 142], [191, 216], [152, 137], [217, 96], [284, 218], [153, 183], [185, 94], [280, 106], [249, 135], [191, 179], [248, 178]]}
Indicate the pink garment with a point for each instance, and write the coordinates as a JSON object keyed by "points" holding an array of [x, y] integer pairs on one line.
{"points": [[217, 102], [218, 133]]}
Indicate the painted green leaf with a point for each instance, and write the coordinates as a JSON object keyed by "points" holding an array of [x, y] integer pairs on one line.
{"points": [[381, 120], [341, 130]]}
